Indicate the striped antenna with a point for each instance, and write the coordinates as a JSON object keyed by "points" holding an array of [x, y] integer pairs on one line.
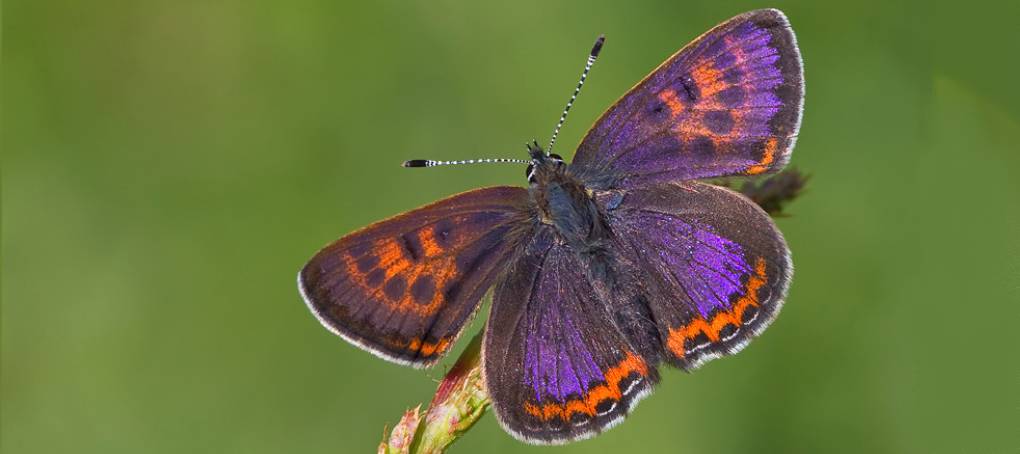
{"points": [[584, 75], [431, 163]]}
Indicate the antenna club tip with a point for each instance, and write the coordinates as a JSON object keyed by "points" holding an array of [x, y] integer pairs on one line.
{"points": [[598, 45], [415, 163]]}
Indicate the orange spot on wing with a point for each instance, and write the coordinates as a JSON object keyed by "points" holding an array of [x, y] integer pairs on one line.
{"points": [[767, 157], [439, 263], [709, 81], [577, 406], [587, 403], [669, 97], [428, 348], [712, 328], [429, 244], [533, 409], [416, 345]]}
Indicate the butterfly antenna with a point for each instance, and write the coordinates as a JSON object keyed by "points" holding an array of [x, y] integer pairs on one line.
{"points": [[584, 75], [431, 163]]}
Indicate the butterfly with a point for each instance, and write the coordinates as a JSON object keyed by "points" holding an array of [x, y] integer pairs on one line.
{"points": [[606, 268]]}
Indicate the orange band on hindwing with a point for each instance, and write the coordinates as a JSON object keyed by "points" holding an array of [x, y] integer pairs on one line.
{"points": [[587, 403], [712, 328]]}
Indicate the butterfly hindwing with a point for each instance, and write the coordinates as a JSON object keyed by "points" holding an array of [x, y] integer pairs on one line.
{"points": [[556, 366], [715, 268], [728, 103], [405, 287]]}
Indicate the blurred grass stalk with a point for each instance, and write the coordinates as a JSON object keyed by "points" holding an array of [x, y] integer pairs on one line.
{"points": [[461, 400]]}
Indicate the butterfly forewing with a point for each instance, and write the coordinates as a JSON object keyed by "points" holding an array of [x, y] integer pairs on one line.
{"points": [[715, 268], [556, 366], [405, 287], [729, 103]]}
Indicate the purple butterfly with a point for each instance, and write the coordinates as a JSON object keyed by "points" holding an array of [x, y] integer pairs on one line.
{"points": [[606, 267]]}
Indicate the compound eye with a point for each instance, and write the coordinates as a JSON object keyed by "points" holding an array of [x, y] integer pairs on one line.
{"points": [[556, 157], [529, 171]]}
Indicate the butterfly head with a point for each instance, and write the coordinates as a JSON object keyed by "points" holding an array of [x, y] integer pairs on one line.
{"points": [[542, 164]]}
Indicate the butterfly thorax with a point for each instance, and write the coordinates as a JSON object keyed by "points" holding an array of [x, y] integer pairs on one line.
{"points": [[562, 201]]}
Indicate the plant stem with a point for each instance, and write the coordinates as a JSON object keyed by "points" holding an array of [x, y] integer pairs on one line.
{"points": [[459, 402]]}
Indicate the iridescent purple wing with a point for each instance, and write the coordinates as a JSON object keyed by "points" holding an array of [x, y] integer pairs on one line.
{"points": [[556, 366], [405, 287], [714, 268], [729, 103]]}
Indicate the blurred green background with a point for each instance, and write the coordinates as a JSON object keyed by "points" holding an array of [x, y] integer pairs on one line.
{"points": [[168, 167]]}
